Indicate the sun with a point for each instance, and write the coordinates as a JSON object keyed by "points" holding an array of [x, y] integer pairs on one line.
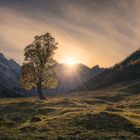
{"points": [[70, 61]]}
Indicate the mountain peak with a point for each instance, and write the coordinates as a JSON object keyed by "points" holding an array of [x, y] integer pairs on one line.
{"points": [[11, 61], [96, 67], [2, 58], [1, 55]]}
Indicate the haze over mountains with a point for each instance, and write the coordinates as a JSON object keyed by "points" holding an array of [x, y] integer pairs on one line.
{"points": [[9, 76], [127, 70], [79, 77], [110, 112], [68, 78]]}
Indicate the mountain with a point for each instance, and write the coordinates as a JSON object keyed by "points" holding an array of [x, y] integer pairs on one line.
{"points": [[127, 70], [97, 70], [71, 78], [9, 78], [68, 78]]}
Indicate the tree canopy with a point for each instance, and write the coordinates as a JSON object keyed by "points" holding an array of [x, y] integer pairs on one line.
{"points": [[37, 69]]}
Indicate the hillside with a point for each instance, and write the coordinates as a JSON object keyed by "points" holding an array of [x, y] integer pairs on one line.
{"points": [[9, 79], [9, 76], [79, 77], [105, 114], [68, 78], [127, 70]]}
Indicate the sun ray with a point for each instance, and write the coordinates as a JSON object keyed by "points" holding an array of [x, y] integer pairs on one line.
{"points": [[70, 61]]}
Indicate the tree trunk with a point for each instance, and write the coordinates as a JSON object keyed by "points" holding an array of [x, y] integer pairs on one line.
{"points": [[39, 91]]}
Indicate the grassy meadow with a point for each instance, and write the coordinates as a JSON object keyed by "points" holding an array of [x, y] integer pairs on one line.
{"points": [[107, 114]]}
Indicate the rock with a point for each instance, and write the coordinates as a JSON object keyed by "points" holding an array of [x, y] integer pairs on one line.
{"points": [[36, 119]]}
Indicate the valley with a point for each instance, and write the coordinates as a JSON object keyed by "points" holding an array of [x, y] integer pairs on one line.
{"points": [[109, 113], [69, 70]]}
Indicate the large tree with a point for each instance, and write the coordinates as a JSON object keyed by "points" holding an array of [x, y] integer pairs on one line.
{"points": [[37, 69]]}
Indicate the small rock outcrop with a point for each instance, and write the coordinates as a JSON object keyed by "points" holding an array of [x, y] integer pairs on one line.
{"points": [[36, 119]]}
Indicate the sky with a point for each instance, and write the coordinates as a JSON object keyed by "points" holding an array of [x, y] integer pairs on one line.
{"points": [[91, 32]]}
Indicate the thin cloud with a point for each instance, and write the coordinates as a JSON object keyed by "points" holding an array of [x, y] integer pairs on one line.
{"points": [[97, 31]]}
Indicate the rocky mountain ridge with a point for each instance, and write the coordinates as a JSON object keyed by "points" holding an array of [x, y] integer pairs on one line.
{"points": [[68, 78]]}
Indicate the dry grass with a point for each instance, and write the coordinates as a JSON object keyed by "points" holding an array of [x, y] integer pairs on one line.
{"points": [[104, 114]]}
